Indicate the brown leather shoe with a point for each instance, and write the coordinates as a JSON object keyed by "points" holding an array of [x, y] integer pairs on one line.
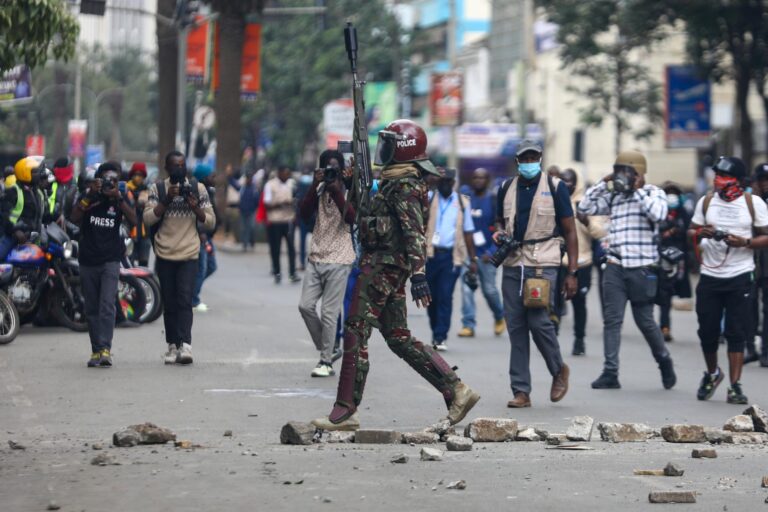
{"points": [[560, 384], [521, 400]]}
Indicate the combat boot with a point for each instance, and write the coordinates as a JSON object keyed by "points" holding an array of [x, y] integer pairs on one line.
{"points": [[350, 424], [464, 399]]}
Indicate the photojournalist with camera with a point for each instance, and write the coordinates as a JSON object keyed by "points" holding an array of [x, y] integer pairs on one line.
{"points": [[330, 259], [727, 225], [535, 219], [99, 212], [175, 207], [632, 268]]}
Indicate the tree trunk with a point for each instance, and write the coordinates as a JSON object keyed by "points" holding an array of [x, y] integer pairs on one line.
{"points": [[59, 148], [116, 111], [745, 120], [167, 62]]}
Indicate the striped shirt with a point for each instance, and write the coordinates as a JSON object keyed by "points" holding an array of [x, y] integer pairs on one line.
{"points": [[634, 222]]}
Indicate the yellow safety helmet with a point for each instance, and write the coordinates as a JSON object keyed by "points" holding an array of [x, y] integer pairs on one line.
{"points": [[10, 181], [24, 167]]}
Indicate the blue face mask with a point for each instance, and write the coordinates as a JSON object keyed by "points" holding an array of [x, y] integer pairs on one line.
{"points": [[529, 170]]}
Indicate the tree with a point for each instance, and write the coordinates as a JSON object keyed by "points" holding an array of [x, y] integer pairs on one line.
{"points": [[602, 43], [28, 29], [167, 60]]}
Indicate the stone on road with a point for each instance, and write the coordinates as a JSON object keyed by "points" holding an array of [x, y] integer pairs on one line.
{"points": [[491, 430], [672, 497], [378, 437], [580, 429], [431, 454], [740, 423], [683, 433], [297, 432], [759, 416], [459, 444], [625, 432]]}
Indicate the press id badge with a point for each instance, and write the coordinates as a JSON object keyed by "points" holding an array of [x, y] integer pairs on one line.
{"points": [[478, 237], [435, 239]]}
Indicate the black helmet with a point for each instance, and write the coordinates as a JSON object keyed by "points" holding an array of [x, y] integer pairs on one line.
{"points": [[761, 171], [731, 166]]}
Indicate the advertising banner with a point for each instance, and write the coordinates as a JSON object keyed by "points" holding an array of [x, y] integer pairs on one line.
{"points": [[687, 123], [197, 52], [35, 145], [16, 85], [338, 121], [380, 107], [77, 130], [445, 99]]}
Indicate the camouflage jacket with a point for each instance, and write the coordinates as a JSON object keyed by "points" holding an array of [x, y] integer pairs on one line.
{"points": [[404, 201]]}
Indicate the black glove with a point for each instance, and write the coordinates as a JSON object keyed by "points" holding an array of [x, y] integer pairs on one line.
{"points": [[420, 288]]}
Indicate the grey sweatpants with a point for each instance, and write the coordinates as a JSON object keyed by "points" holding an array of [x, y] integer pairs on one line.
{"points": [[638, 286], [99, 285], [521, 321], [324, 282]]}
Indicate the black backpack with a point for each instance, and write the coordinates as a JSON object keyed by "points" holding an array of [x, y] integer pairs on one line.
{"points": [[161, 193]]}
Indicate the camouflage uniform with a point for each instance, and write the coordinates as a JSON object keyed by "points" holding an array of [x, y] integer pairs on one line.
{"points": [[394, 248]]}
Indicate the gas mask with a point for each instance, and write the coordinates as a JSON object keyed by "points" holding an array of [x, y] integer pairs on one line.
{"points": [[624, 178]]}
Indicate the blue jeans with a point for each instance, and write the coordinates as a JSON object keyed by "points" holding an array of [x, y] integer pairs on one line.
{"points": [[247, 228], [206, 266], [486, 274], [441, 277]]}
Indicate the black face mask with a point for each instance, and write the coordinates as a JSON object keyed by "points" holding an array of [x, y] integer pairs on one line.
{"points": [[445, 188], [177, 173]]}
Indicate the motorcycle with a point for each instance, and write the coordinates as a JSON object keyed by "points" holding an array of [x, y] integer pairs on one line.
{"points": [[44, 275], [145, 278]]}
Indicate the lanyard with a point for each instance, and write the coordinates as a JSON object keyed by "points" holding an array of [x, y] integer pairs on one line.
{"points": [[443, 209]]}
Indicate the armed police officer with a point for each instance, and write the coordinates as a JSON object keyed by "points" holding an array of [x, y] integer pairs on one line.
{"points": [[392, 235]]}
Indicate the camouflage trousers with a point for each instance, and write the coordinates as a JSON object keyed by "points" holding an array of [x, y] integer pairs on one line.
{"points": [[379, 301]]}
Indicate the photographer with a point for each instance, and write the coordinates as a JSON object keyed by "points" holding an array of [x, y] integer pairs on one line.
{"points": [[173, 210], [99, 213], [330, 259], [535, 218], [631, 273], [727, 226]]}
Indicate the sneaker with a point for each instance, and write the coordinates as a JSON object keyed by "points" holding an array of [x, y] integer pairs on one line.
{"points": [[105, 358], [466, 332], [127, 324], [337, 354], [668, 377], [201, 308], [293, 278], [93, 362], [709, 385], [736, 395], [440, 346], [349, 424], [185, 354], [172, 355], [323, 369], [277, 278], [499, 326], [607, 380], [579, 349]]}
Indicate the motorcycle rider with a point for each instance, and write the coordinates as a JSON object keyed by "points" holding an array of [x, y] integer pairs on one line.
{"points": [[23, 207]]}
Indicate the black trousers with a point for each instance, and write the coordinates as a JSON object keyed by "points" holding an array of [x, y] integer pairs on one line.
{"points": [[177, 285], [579, 301], [276, 231], [715, 296]]}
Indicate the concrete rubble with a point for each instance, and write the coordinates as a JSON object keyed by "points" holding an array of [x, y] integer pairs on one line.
{"points": [[105, 459], [672, 497], [378, 437], [556, 439], [759, 417], [422, 437], [527, 434], [491, 430], [704, 454], [745, 438], [145, 433], [459, 444], [458, 485], [625, 432], [336, 436], [683, 433], [431, 454], [400, 458], [740, 423], [580, 429], [297, 432]]}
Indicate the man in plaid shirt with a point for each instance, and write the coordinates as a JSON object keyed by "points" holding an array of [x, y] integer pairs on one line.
{"points": [[631, 274]]}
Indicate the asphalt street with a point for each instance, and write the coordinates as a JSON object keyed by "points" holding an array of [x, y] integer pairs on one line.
{"points": [[251, 375]]}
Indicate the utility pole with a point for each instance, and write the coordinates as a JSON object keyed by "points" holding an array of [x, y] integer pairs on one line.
{"points": [[181, 91], [452, 158]]}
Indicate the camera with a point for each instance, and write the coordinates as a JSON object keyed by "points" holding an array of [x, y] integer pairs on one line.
{"points": [[506, 244], [330, 174], [671, 255], [185, 190], [720, 235]]}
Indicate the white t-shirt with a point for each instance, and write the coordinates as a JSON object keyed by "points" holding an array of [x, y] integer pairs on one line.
{"points": [[734, 218]]}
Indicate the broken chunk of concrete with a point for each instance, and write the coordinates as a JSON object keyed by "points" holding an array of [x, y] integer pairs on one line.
{"points": [[625, 432], [491, 430], [338, 436], [422, 437], [145, 433], [400, 458], [580, 429], [297, 432], [740, 423], [459, 444], [672, 497], [672, 469], [704, 454], [715, 435], [759, 417], [556, 439], [681, 433], [105, 459], [765, 481], [527, 434], [377, 437], [431, 454], [458, 485], [746, 438], [16, 445]]}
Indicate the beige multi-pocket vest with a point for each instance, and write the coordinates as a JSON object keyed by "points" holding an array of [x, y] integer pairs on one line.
{"points": [[541, 224], [459, 244]]}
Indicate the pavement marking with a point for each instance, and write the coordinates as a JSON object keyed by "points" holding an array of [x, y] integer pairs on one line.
{"points": [[278, 392]]}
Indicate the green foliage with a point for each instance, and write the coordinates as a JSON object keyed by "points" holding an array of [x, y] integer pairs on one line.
{"points": [[305, 66], [29, 28], [599, 41]]}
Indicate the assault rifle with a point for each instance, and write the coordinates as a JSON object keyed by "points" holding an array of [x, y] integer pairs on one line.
{"points": [[362, 179]]}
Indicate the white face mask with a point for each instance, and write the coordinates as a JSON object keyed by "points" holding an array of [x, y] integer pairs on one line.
{"points": [[673, 200]]}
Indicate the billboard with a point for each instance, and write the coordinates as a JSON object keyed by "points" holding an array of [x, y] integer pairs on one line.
{"points": [[380, 107], [250, 65], [16, 85], [338, 121], [445, 99], [77, 129], [35, 145], [688, 102]]}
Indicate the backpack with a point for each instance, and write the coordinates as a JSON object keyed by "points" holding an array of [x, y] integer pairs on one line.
{"points": [[161, 193], [747, 198]]}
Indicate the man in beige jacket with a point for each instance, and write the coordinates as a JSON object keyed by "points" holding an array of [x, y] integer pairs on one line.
{"points": [[588, 229]]}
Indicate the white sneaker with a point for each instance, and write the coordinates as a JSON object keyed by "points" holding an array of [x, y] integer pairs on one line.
{"points": [[440, 346], [201, 308], [323, 370], [185, 354], [172, 354]]}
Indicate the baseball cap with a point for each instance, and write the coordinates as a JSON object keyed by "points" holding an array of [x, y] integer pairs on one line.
{"points": [[528, 145]]}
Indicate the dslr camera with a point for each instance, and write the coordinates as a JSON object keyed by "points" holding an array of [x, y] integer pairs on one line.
{"points": [[720, 235], [506, 244], [330, 174]]}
